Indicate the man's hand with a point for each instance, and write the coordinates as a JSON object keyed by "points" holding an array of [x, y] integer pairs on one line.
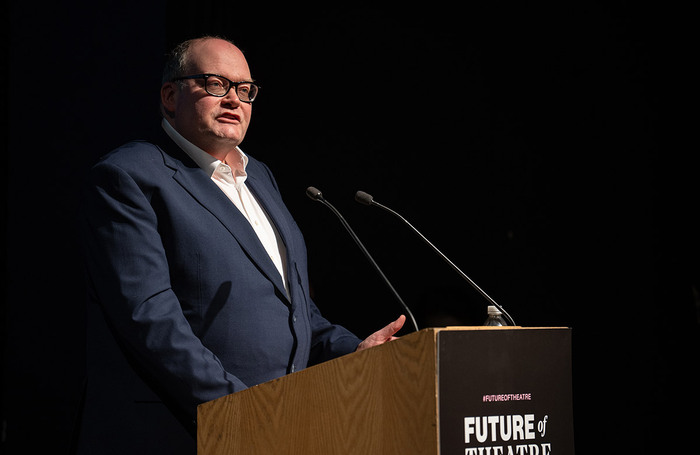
{"points": [[383, 335]]}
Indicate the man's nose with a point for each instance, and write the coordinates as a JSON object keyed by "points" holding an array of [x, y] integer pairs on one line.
{"points": [[231, 98]]}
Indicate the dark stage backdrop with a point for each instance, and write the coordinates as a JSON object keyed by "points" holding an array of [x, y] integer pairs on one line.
{"points": [[527, 142]]}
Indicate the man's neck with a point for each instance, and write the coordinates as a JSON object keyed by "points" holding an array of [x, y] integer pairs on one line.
{"points": [[233, 157]]}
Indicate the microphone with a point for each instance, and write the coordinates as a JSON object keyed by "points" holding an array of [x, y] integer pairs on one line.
{"points": [[316, 195], [366, 199]]}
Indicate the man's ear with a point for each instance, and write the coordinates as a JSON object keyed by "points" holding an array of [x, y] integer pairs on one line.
{"points": [[168, 97]]}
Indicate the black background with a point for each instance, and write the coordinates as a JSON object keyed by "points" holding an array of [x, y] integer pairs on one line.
{"points": [[536, 145]]}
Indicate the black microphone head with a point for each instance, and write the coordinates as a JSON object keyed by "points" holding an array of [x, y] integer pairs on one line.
{"points": [[314, 193], [363, 198]]}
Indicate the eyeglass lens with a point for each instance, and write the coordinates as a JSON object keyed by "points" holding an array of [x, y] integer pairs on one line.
{"points": [[219, 87]]}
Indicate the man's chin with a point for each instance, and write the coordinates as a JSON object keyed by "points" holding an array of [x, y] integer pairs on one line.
{"points": [[230, 132], [227, 139]]}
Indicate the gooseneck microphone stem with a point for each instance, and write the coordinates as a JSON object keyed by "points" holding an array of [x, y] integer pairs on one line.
{"points": [[316, 195], [366, 199]]}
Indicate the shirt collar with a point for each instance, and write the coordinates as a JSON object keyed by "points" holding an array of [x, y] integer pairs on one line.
{"points": [[205, 161]]}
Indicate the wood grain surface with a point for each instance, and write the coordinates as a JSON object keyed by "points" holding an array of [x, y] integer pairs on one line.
{"points": [[379, 401]]}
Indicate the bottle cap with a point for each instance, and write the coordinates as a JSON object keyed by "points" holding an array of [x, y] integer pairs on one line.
{"points": [[494, 311]]}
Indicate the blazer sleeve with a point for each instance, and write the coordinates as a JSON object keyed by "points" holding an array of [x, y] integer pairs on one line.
{"points": [[128, 268], [329, 340]]}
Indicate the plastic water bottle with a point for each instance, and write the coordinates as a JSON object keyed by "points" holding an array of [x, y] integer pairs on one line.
{"points": [[495, 317]]}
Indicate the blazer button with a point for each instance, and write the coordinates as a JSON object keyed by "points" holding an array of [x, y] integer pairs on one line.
{"points": [[293, 369]]}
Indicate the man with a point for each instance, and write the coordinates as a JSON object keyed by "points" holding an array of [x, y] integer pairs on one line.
{"points": [[197, 271]]}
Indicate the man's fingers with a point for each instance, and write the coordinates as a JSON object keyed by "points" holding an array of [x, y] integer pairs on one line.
{"points": [[388, 332], [383, 335], [396, 325]]}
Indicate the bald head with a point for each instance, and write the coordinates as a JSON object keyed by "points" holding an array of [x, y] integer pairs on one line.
{"points": [[179, 59]]}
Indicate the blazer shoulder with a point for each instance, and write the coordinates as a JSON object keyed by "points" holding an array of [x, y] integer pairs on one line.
{"points": [[134, 155], [260, 170]]}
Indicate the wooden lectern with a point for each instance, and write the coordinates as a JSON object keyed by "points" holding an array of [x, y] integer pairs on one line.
{"points": [[455, 390]]}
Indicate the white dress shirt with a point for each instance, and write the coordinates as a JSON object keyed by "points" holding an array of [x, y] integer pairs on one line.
{"points": [[232, 183]]}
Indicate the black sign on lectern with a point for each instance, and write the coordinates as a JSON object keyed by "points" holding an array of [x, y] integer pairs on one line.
{"points": [[505, 392]]}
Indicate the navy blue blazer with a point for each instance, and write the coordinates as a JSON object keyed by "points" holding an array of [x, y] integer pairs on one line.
{"points": [[186, 305]]}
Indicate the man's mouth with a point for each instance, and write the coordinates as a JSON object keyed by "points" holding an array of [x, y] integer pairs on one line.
{"points": [[229, 118]]}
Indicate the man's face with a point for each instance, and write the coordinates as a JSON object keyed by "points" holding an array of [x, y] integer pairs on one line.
{"points": [[214, 124]]}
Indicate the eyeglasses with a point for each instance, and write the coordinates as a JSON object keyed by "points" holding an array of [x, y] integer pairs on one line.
{"points": [[216, 85]]}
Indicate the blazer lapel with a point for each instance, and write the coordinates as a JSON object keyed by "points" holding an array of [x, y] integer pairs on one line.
{"points": [[204, 190], [273, 209]]}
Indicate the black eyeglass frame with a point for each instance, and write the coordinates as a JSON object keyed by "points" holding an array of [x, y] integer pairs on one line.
{"points": [[231, 84]]}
